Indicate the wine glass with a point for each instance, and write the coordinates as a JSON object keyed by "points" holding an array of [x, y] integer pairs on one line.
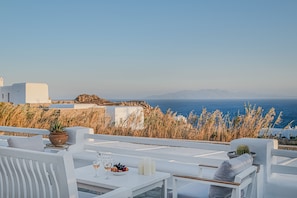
{"points": [[99, 155], [96, 165], [107, 163]]}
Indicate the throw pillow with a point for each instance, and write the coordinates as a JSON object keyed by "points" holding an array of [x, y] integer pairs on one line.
{"points": [[227, 172]]}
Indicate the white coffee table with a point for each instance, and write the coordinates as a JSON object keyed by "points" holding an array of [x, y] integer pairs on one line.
{"points": [[132, 180]]}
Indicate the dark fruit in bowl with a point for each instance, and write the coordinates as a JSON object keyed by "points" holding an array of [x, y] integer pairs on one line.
{"points": [[120, 167]]}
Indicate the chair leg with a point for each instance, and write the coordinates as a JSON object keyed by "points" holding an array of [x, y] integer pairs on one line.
{"points": [[174, 188]]}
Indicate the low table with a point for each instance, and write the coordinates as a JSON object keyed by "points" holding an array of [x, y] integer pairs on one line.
{"points": [[132, 180]]}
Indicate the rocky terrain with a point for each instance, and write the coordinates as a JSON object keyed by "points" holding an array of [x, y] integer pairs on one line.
{"points": [[93, 99]]}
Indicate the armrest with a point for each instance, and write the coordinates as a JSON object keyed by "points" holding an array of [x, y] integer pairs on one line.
{"points": [[202, 167], [207, 166], [244, 174], [237, 181], [208, 181]]}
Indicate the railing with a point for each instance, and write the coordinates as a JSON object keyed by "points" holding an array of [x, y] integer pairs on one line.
{"points": [[222, 146], [284, 166], [24, 130]]}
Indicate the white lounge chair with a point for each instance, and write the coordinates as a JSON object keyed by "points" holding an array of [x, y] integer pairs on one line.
{"points": [[234, 178]]}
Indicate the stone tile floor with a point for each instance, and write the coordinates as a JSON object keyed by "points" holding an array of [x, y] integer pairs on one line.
{"points": [[155, 193]]}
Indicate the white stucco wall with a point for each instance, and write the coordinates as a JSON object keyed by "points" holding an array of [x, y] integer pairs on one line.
{"points": [[4, 94], [18, 93], [37, 93], [14, 93]]}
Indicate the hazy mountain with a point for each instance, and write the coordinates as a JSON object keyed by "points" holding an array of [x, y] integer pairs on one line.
{"points": [[201, 94]]}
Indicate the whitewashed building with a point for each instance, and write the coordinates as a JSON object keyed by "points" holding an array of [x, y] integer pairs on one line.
{"points": [[118, 116], [126, 116], [24, 93]]}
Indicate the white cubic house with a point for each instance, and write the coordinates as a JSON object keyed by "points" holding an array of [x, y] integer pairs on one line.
{"points": [[23, 93], [118, 116], [126, 116]]}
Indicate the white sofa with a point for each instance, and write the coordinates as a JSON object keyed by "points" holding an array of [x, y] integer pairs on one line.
{"points": [[29, 173]]}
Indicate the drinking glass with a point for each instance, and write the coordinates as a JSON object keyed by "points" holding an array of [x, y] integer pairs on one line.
{"points": [[107, 163], [99, 155], [96, 165]]}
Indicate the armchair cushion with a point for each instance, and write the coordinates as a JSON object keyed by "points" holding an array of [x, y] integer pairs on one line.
{"points": [[227, 172], [31, 143]]}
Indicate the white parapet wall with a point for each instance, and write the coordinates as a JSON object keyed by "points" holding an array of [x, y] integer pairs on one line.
{"points": [[74, 106], [278, 133]]}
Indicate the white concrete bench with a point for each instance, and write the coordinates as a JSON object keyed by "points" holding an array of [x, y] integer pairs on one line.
{"points": [[27, 173]]}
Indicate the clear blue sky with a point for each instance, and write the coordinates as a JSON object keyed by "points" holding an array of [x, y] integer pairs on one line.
{"points": [[136, 48]]}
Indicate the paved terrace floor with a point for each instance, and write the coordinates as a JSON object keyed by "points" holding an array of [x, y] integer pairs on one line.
{"points": [[180, 155]]}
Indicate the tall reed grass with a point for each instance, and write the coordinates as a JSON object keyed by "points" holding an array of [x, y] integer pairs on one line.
{"points": [[213, 126]]}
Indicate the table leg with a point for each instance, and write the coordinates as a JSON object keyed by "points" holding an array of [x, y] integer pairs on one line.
{"points": [[164, 189]]}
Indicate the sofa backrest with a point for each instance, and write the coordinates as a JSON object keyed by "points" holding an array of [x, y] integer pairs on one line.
{"points": [[27, 173]]}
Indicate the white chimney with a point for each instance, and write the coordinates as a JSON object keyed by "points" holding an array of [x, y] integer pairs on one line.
{"points": [[1, 82]]}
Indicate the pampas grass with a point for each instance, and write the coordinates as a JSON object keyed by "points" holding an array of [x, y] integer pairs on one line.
{"points": [[211, 126]]}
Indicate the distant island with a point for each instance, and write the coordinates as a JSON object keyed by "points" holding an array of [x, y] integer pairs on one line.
{"points": [[211, 94]]}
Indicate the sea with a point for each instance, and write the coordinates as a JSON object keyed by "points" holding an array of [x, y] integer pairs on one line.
{"points": [[288, 107]]}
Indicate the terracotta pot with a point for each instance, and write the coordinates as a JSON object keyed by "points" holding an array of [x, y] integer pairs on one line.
{"points": [[58, 139], [232, 154]]}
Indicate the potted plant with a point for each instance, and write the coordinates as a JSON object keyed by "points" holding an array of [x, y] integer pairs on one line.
{"points": [[241, 149], [58, 136]]}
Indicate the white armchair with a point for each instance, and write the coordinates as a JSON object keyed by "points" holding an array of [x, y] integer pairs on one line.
{"points": [[233, 178]]}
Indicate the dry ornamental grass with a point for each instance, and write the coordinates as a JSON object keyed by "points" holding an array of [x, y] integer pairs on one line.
{"points": [[211, 126]]}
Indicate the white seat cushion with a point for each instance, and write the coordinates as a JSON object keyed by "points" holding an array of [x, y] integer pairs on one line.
{"points": [[193, 190], [31, 143]]}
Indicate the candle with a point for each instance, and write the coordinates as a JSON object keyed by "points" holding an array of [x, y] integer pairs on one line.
{"points": [[141, 167], [147, 170]]}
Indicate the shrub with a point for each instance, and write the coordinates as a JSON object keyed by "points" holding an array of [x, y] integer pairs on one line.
{"points": [[242, 149]]}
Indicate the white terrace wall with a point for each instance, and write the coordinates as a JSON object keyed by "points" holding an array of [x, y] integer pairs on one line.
{"points": [[74, 106], [278, 133]]}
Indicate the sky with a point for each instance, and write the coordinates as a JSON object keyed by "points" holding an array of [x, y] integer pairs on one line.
{"points": [[131, 49]]}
